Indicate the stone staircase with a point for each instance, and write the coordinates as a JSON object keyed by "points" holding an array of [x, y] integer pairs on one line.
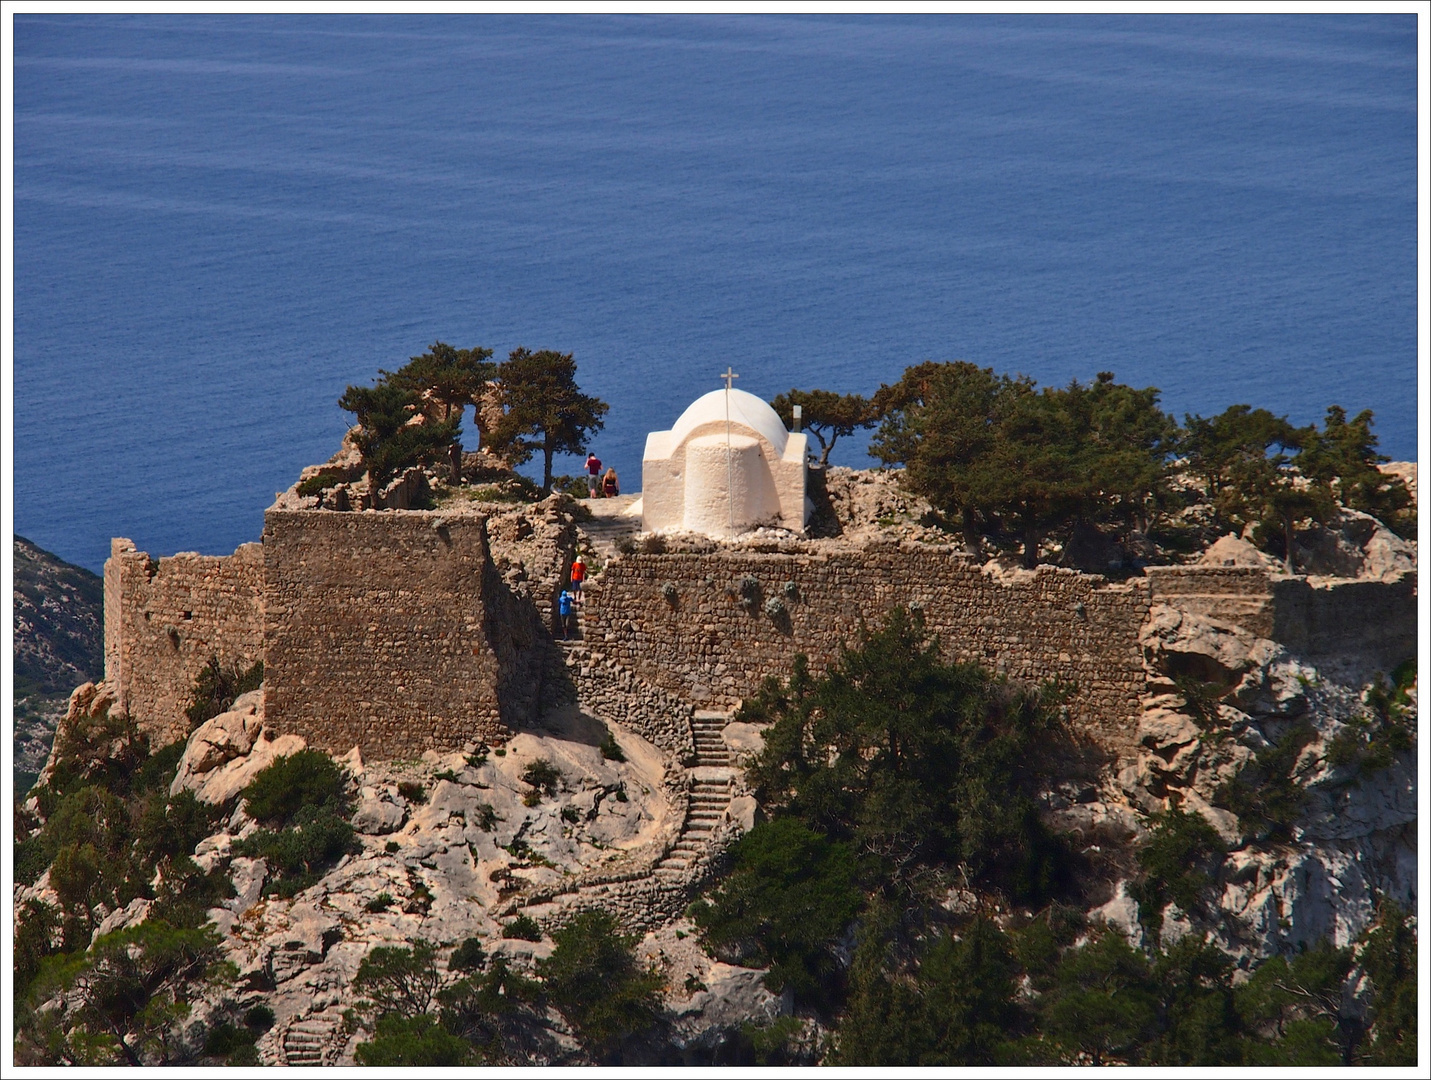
{"points": [[711, 749], [313, 1040], [711, 788]]}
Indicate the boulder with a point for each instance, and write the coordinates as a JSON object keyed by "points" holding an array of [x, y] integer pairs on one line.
{"points": [[248, 876], [376, 814], [1232, 550], [1163, 729], [1178, 644], [743, 738], [1121, 912], [744, 811], [218, 741], [220, 784], [1354, 545], [132, 915]]}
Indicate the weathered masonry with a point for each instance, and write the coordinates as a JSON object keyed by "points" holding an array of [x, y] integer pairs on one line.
{"points": [[164, 618], [386, 631], [394, 631], [712, 626], [391, 632]]}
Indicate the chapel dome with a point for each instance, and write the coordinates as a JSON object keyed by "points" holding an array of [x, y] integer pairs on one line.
{"points": [[745, 409]]}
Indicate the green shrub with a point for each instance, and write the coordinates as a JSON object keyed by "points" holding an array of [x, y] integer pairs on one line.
{"points": [[413, 1041], [307, 780], [957, 1006], [381, 902], [543, 776], [1174, 860], [596, 983], [31, 859], [158, 770], [413, 792], [1265, 794], [523, 928], [320, 481], [1388, 956], [895, 750], [35, 926], [300, 854], [258, 1019], [225, 1038], [400, 981], [611, 749], [469, 956], [788, 900]]}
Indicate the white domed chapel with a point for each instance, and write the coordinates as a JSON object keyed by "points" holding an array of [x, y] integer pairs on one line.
{"points": [[727, 466]]}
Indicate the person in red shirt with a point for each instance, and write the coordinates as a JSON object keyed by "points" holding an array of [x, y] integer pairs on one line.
{"points": [[578, 573], [593, 475]]}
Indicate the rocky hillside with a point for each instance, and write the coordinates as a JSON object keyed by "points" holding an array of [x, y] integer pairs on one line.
{"points": [[1241, 881], [59, 615]]}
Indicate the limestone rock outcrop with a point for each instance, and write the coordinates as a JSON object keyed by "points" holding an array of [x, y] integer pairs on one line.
{"points": [[224, 754]]}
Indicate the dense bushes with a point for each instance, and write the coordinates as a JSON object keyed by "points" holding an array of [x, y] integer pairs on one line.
{"points": [[1174, 861], [304, 801], [493, 1016], [787, 900], [595, 981], [890, 779], [1002, 460]]}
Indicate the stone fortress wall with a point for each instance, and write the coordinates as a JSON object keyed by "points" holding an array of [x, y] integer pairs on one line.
{"points": [[394, 632], [164, 618], [378, 633], [711, 626]]}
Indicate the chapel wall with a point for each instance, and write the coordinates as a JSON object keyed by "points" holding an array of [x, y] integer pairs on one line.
{"points": [[709, 647], [164, 619], [386, 631]]}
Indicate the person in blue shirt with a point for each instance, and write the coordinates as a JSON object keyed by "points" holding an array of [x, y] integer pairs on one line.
{"points": [[566, 611]]}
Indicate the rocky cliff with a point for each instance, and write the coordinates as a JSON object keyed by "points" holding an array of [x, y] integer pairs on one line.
{"points": [[58, 613]]}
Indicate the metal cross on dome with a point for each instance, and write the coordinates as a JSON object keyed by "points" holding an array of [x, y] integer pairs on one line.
{"points": [[730, 376]]}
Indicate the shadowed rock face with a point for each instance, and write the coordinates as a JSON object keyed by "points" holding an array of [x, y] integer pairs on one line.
{"points": [[58, 612]]}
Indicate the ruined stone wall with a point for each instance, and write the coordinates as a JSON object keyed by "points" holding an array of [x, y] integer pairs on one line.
{"points": [[1239, 595], [164, 619], [1365, 626], [379, 633], [1358, 626], [611, 691], [699, 640]]}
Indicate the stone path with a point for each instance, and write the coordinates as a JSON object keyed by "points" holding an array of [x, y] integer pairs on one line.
{"points": [[608, 523]]}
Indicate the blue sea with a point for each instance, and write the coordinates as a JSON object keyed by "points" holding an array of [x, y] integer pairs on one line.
{"points": [[221, 221]]}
